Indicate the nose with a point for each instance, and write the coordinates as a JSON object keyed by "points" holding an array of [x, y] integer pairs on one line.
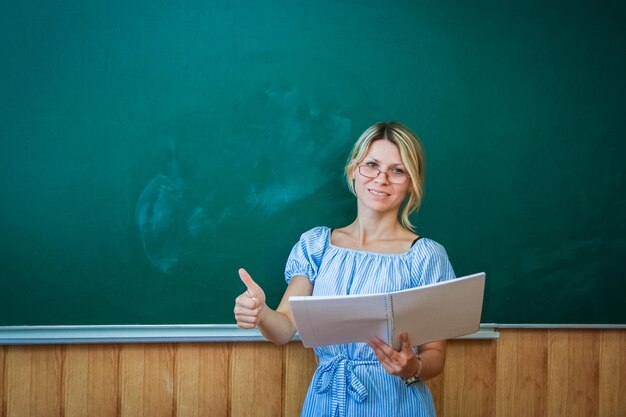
{"points": [[382, 178]]}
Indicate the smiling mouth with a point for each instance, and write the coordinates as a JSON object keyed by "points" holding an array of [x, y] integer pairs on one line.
{"points": [[378, 193]]}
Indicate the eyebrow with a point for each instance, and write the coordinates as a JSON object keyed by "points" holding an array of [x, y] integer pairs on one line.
{"points": [[400, 164]]}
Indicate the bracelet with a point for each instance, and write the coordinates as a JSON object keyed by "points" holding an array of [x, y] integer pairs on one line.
{"points": [[416, 376]]}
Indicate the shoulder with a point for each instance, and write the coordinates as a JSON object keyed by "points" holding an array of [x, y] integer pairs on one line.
{"points": [[317, 233], [428, 246], [314, 240], [430, 262]]}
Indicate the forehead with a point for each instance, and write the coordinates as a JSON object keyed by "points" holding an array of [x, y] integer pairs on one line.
{"points": [[384, 151]]}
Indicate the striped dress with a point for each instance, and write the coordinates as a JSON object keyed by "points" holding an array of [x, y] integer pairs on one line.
{"points": [[349, 381]]}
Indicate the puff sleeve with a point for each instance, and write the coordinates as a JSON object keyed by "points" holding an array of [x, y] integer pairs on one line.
{"points": [[430, 264], [306, 256]]}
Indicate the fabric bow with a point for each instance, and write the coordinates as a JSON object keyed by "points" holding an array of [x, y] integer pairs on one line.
{"points": [[337, 376]]}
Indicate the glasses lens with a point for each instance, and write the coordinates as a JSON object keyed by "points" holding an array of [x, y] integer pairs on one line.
{"points": [[397, 178], [368, 171]]}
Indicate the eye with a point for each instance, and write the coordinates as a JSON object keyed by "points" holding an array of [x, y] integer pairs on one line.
{"points": [[398, 171], [371, 164]]}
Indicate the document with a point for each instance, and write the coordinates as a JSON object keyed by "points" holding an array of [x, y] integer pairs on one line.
{"points": [[433, 312]]}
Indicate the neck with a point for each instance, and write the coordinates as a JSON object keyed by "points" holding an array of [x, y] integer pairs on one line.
{"points": [[375, 226]]}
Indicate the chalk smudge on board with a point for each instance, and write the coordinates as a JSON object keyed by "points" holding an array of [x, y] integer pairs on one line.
{"points": [[158, 213]]}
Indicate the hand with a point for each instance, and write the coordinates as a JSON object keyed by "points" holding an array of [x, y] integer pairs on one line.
{"points": [[250, 305], [401, 363]]}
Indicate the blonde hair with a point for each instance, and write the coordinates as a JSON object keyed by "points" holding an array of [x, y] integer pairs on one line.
{"points": [[412, 155]]}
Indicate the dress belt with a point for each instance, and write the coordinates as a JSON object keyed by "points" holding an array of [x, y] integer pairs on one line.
{"points": [[337, 376]]}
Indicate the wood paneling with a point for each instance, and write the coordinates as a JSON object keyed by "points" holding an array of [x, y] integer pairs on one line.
{"points": [[103, 388], [300, 365], [522, 373], [470, 376], [2, 386], [573, 383], [17, 381], [612, 374], [436, 386], [257, 380], [542, 373], [203, 380], [76, 381]]}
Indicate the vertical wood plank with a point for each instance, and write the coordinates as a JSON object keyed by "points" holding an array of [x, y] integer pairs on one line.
{"points": [[612, 373], [17, 381], [75, 381], [132, 380], [470, 377], [573, 373], [436, 386], [256, 381], [159, 380], [300, 365], [188, 395], [103, 380], [522, 373], [3, 402], [202, 374], [46, 375]]}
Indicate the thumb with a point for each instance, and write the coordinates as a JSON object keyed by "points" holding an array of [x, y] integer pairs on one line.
{"points": [[253, 288], [406, 345]]}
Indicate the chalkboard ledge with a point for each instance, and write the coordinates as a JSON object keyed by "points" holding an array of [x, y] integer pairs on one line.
{"points": [[36, 335]]}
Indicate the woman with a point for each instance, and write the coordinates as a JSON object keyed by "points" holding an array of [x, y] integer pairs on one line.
{"points": [[378, 252]]}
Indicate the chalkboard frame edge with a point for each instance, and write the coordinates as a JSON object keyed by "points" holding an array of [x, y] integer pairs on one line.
{"points": [[104, 334]]}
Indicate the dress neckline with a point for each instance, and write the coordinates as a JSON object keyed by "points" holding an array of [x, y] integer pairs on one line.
{"points": [[329, 242]]}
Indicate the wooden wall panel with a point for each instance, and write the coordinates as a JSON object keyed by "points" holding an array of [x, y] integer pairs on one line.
{"points": [[158, 380], [46, 372], [257, 380], [132, 364], [18, 381], [203, 380], [103, 389], [300, 364], [436, 386], [525, 373], [522, 373], [612, 382], [76, 381], [470, 377], [573, 373], [3, 409]]}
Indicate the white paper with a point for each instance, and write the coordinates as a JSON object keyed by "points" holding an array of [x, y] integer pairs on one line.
{"points": [[330, 320], [433, 312]]}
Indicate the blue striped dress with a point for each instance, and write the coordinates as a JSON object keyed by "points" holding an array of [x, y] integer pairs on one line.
{"points": [[349, 381]]}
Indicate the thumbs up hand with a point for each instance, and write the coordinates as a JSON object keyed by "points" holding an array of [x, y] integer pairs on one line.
{"points": [[250, 305]]}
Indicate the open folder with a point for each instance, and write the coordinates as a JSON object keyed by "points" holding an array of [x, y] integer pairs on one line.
{"points": [[433, 312]]}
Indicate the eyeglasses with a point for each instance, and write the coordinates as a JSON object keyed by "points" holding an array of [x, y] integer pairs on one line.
{"points": [[394, 176]]}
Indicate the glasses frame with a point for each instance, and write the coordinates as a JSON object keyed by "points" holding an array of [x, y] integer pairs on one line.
{"points": [[391, 177]]}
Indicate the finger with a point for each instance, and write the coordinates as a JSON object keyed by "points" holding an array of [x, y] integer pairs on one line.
{"points": [[247, 302], [243, 318], [243, 325], [253, 288], [386, 362], [384, 347], [242, 311], [379, 349], [379, 354]]}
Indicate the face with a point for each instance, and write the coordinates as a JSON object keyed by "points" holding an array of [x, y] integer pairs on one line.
{"points": [[379, 194]]}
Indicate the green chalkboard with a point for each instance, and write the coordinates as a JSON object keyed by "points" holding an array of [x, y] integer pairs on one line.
{"points": [[151, 148]]}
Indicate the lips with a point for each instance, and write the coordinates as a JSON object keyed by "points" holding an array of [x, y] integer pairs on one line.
{"points": [[378, 193]]}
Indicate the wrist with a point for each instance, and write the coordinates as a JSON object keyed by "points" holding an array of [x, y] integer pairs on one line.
{"points": [[415, 377]]}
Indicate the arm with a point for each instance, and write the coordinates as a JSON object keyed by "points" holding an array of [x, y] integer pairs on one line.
{"points": [[252, 311], [405, 364]]}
